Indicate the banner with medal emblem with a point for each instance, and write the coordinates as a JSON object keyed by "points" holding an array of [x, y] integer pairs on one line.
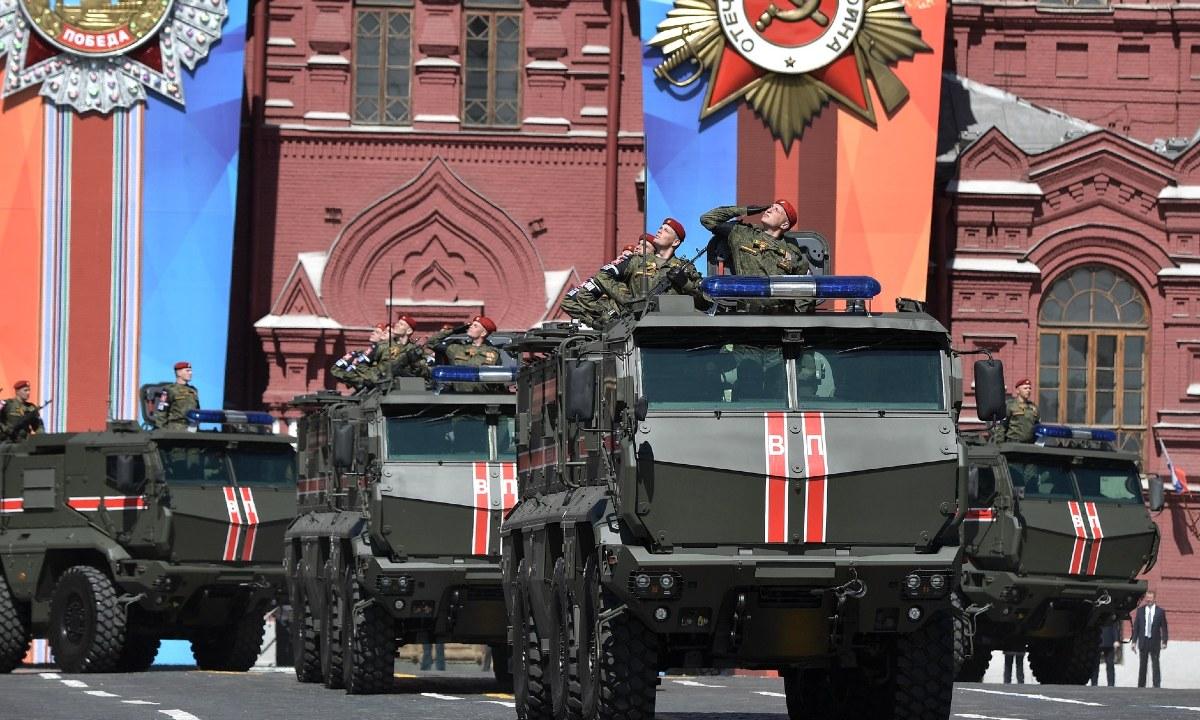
{"points": [[122, 121], [830, 104]]}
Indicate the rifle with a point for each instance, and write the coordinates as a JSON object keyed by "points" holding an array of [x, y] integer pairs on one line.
{"points": [[29, 419], [639, 304]]}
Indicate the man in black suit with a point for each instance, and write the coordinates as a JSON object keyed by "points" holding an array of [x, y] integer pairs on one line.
{"points": [[1149, 637]]}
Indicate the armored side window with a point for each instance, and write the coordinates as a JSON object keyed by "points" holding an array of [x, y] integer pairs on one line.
{"points": [[126, 473], [983, 481]]}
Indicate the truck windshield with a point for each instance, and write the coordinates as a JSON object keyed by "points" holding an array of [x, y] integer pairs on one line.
{"points": [[218, 465], [452, 435], [869, 377], [1065, 477], [715, 376]]}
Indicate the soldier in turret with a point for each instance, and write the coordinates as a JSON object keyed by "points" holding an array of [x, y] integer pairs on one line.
{"points": [[477, 352], [1022, 416], [350, 367], [176, 399], [760, 249], [398, 355], [19, 418], [636, 276], [588, 302]]}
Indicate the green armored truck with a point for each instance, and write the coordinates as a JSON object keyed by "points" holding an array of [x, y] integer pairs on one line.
{"points": [[402, 492], [111, 541], [739, 489], [1053, 543]]}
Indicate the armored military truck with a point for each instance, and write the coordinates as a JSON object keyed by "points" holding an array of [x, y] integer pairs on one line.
{"points": [[739, 489], [401, 495], [1053, 543], [111, 541]]}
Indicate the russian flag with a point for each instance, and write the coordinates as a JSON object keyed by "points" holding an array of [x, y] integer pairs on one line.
{"points": [[1178, 478]]}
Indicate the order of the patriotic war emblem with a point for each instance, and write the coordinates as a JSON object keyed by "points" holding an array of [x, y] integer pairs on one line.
{"points": [[789, 58], [101, 55]]}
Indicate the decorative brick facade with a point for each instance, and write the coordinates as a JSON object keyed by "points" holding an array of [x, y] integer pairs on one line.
{"points": [[1084, 169], [451, 219]]}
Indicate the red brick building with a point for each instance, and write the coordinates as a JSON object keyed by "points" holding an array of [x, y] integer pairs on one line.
{"points": [[1068, 219], [438, 158]]}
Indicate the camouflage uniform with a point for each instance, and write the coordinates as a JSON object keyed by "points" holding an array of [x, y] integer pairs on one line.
{"points": [[176, 400], [638, 274], [18, 419], [589, 305], [1018, 424], [394, 360], [757, 252]]}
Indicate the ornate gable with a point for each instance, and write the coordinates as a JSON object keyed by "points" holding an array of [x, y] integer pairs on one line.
{"points": [[992, 157], [439, 249], [298, 296]]}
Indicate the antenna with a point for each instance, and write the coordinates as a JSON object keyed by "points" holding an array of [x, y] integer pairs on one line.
{"points": [[391, 301]]}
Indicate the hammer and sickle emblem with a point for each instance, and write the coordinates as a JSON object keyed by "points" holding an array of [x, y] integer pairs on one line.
{"points": [[804, 10]]}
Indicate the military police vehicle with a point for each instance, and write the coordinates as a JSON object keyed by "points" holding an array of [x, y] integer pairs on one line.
{"points": [[1053, 543], [738, 490], [111, 541], [401, 495]]}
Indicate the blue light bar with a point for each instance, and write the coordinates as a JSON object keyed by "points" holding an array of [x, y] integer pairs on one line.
{"points": [[791, 286], [232, 417], [474, 374], [1064, 432]]}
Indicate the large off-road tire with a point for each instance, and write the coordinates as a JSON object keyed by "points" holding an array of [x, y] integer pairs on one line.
{"points": [[584, 673], [827, 693], [306, 637], [530, 691], [333, 674], [628, 665], [233, 647], [368, 644], [87, 624], [14, 630], [502, 667], [924, 681], [559, 664], [1066, 661], [15, 634], [139, 653]]}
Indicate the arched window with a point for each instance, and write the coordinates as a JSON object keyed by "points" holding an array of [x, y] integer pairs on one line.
{"points": [[1092, 353]]}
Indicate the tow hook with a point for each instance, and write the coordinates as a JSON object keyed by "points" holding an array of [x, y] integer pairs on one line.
{"points": [[968, 617], [1104, 599], [737, 629], [855, 589]]}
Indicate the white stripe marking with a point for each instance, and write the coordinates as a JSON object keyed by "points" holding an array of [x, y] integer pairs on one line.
{"points": [[1030, 696], [973, 716], [138, 702], [99, 693], [693, 683], [179, 715], [74, 683], [48, 676], [769, 693], [1178, 707], [500, 702], [438, 696]]}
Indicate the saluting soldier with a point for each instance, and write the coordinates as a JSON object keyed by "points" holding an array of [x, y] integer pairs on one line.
{"points": [[176, 399], [1022, 416], [760, 249], [19, 418], [588, 303], [637, 275], [401, 357], [478, 351]]}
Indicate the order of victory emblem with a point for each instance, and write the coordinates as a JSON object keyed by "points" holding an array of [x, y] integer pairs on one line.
{"points": [[99, 55], [789, 58]]}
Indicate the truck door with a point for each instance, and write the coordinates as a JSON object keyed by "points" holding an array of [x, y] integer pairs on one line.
{"points": [[127, 504], [991, 530]]}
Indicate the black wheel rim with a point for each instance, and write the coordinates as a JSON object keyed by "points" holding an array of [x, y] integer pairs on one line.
{"points": [[75, 620]]}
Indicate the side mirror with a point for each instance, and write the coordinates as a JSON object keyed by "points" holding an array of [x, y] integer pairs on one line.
{"points": [[580, 390], [1157, 498], [640, 407], [989, 390], [343, 446]]}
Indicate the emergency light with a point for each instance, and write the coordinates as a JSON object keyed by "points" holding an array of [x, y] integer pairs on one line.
{"points": [[1064, 432], [474, 374], [791, 286], [231, 417]]}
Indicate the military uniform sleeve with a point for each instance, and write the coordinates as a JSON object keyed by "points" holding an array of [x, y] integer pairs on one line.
{"points": [[6, 419], [433, 340], [711, 219]]}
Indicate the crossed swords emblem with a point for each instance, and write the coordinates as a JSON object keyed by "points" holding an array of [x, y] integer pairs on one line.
{"points": [[804, 10]]}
